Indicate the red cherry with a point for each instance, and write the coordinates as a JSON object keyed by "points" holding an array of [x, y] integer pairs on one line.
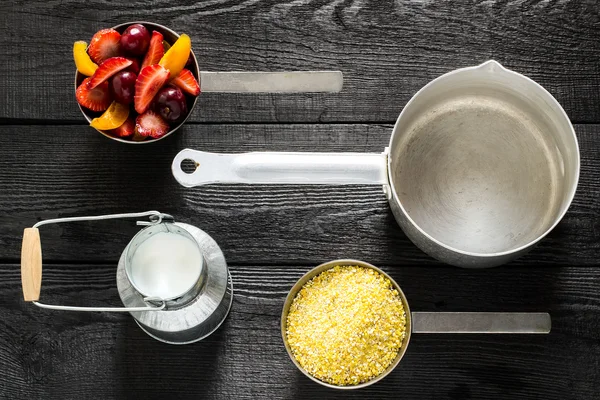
{"points": [[122, 86], [171, 104], [135, 39]]}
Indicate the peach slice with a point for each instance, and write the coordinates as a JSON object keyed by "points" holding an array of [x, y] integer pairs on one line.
{"points": [[112, 118], [175, 58], [83, 62]]}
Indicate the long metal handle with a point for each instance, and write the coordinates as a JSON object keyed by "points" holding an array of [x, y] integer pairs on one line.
{"points": [[31, 262], [281, 168], [271, 82], [480, 322]]}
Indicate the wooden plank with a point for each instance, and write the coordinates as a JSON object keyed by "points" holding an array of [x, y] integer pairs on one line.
{"points": [[55, 355], [387, 51], [58, 171]]}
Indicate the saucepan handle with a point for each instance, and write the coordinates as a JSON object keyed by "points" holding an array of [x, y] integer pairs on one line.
{"points": [[480, 322], [280, 168]]}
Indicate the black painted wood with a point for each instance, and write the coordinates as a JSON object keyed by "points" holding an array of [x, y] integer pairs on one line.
{"points": [[51, 165], [387, 51], [62, 171]]}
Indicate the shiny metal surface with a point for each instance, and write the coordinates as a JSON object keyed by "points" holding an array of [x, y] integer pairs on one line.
{"points": [[196, 319], [271, 82], [483, 163], [480, 322], [285, 167]]}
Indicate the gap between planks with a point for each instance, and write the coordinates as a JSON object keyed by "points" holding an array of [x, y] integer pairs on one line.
{"points": [[41, 122]]}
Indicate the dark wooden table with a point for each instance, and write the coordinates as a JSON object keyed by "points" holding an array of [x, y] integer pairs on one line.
{"points": [[53, 165]]}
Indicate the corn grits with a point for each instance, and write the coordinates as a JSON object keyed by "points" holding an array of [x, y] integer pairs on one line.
{"points": [[346, 325]]}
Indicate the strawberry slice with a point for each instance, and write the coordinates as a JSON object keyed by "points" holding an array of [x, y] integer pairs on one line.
{"points": [[151, 124], [96, 99], [108, 68], [126, 129], [156, 50], [148, 83], [104, 45], [186, 82]]}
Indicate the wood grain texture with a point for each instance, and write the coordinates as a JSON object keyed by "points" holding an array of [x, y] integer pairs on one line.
{"points": [[104, 355], [387, 51], [31, 264], [53, 166], [65, 171]]}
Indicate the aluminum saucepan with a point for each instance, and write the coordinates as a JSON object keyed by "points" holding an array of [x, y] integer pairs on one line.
{"points": [[482, 163], [424, 322]]}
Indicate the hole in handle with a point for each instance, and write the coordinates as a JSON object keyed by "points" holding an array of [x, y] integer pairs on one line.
{"points": [[189, 166]]}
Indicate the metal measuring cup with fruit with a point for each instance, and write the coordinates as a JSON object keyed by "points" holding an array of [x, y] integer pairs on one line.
{"points": [[138, 82]]}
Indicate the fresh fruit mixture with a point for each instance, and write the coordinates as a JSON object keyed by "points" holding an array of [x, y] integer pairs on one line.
{"points": [[137, 79]]}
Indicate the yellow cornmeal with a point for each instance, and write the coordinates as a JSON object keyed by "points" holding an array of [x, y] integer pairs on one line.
{"points": [[346, 325]]}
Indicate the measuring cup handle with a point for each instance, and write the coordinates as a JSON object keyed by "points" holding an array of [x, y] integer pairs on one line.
{"points": [[271, 82], [281, 168], [480, 322]]}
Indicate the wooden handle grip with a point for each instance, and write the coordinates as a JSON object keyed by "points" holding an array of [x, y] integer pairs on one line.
{"points": [[31, 264]]}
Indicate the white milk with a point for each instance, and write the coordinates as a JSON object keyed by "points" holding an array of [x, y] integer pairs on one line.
{"points": [[166, 265]]}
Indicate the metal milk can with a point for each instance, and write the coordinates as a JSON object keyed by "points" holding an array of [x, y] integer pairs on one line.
{"points": [[172, 277]]}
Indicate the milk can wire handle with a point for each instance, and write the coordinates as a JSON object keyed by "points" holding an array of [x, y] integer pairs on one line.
{"points": [[31, 261]]}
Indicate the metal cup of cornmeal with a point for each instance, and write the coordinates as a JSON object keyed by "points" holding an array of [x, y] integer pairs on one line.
{"points": [[346, 324]]}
